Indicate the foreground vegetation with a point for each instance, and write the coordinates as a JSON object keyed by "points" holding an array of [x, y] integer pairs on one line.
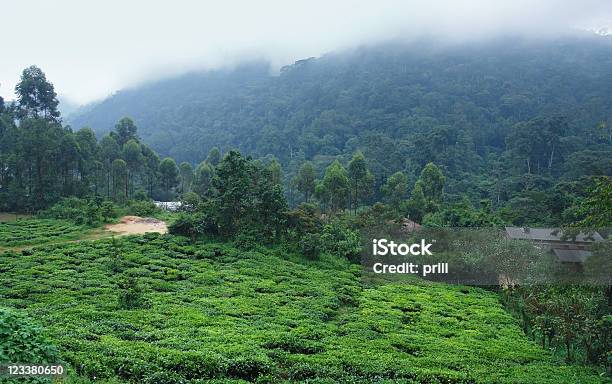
{"points": [[160, 309]]}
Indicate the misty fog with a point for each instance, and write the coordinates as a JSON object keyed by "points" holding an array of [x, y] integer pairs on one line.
{"points": [[91, 49]]}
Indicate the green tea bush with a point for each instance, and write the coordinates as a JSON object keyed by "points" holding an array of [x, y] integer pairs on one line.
{"points": [[37, 231], [207, 312]]}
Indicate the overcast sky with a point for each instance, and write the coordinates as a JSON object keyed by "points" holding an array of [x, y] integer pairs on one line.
{"points": [[90, 49]]}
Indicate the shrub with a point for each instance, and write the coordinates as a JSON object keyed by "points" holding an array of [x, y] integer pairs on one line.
{"points": [[131, 294], [246, 240], [141, 208], [186, 224], [140, 195], [342, 241], [108, 210], [304, 219], [190, 202], [79, 211], [310, 245], [193, 225], [21, 340]]}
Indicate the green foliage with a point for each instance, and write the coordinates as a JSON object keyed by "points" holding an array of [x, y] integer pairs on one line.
{"points": [[432, 182], [361, 180], [37, 231], [195, 224], [131, 294], [169, 173], [463, 214], [304, 219], [141, 208], [37, 97], [125, 130], [22, 340], [120, 177], [306, 180], [276, 172], [190, 202], [246, 198], [336, 184], [186, 176], [395, 188], [310, 245], [340, 240], [416, 207], [186, 224], [43, 162], [203, 179], [89, 212], [108, 210], [214, 157], [573, 321], [597, 207], [218, 314]]}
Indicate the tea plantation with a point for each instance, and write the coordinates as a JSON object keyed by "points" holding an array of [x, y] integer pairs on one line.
{"points": [[36, 231], [158, 309]]}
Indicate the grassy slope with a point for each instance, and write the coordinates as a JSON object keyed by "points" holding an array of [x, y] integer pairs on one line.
{"points": [[217, 312]]}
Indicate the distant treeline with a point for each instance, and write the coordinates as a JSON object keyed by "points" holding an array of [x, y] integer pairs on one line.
{"points": [[516, 123], [42, 161]]}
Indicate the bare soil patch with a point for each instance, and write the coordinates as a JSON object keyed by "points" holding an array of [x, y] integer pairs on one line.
{"points": [[135, 225]]}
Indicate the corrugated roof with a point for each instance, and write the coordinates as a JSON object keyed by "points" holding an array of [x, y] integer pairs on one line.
{"points": [[571, 255], [549, 234]]}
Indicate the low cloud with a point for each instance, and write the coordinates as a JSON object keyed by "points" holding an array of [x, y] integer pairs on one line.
{"points": [[91, 49]]}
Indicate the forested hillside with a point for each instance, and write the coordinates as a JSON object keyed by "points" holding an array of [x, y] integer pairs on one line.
{"points": [[482, 112]]}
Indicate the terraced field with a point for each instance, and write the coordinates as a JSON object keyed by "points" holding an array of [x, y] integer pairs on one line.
{"points": [[37, 231], [213, 313]]}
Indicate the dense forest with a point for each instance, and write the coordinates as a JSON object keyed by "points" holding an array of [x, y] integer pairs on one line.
{"points": [[506, 121]]}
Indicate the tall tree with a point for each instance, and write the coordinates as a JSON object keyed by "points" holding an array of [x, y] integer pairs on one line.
{"points": [[203, 179], [169, 175], [186, 174], [336, 183], [108, 151], [132, 154], [151, 163], [361, 179], [120, 180], [125, 130], [432, 181], [88, 164], [232, 183], [415, 208], [306, 180], [395, 188], [36, 96]]}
